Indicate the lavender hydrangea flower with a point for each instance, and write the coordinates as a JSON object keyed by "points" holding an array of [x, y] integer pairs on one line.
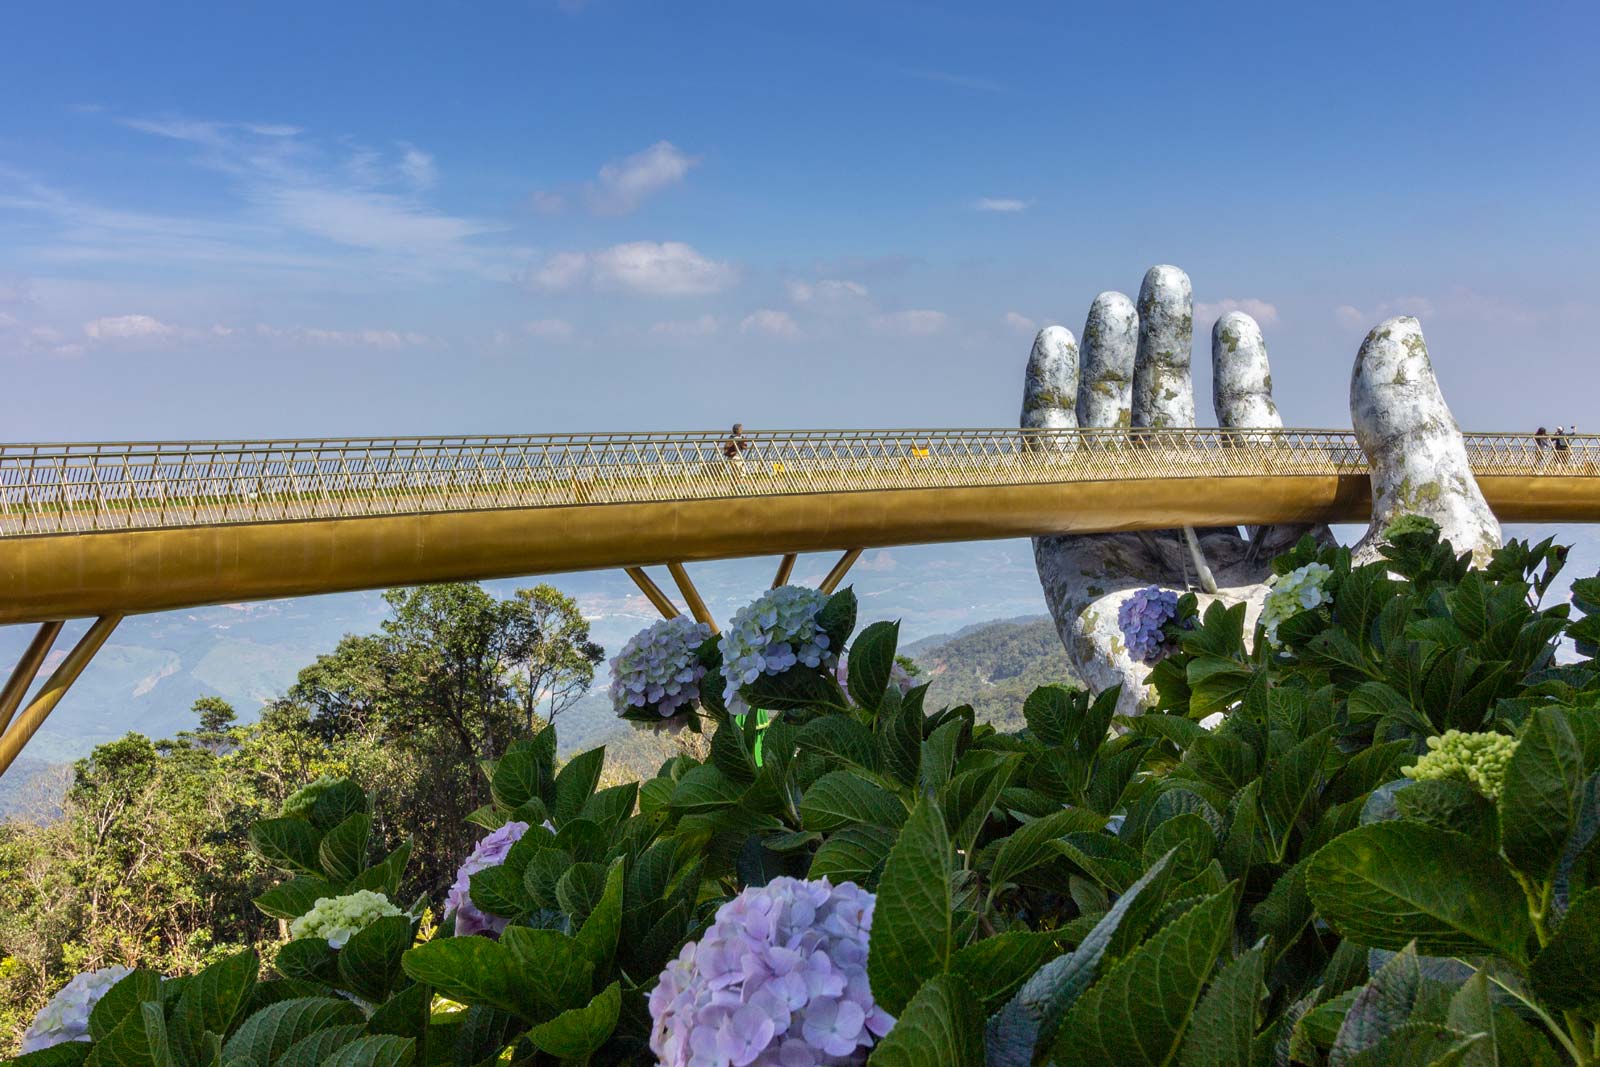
{"points": [[768, 636], [66, 1017], [779, 980], [658, 669], [1143, 619], [491, 852]]}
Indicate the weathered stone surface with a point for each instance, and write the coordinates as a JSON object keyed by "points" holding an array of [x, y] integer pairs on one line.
{"points": [[1163, 394], [1417, 456], [1050, 387], [1241, 379], [1110, 344]]}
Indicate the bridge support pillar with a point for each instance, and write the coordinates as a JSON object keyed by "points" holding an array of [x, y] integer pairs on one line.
{"points": [[653, 593], [785, 568], [840, 569], [27, 669], [691, 595], [44, 702]]}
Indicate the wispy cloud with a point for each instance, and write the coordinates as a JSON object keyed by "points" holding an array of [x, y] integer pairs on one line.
{"points": [[915, 323], [771, 322], [1259, 310], [829, 296], [549, 329], [686, 329], [1002, 205], [623, 184], [126, 328], [960, 81], [653, 268], [1020, 322], [304, 206]]}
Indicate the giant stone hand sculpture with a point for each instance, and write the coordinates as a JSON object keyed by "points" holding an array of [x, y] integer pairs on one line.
{"points": [[1133, 371]]}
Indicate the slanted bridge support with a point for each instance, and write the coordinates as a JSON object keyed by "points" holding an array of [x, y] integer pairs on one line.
{"points": [[19, 732]]}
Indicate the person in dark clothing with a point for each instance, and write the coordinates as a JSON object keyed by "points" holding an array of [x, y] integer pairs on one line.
{"points": [[1542, 437], [1561, 444], [734, 447]]}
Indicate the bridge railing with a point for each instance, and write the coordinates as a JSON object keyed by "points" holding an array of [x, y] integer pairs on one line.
{"points": [[59, 488]]}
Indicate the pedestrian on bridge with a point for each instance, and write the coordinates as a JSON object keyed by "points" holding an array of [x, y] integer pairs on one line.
{"points": [[733, 450], [1561, 444]]}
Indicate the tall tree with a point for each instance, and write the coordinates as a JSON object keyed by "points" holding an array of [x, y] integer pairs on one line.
{"points": [[557, 660]]}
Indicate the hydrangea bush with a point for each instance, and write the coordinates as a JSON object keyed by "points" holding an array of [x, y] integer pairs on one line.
{"points": [[658, 672], [1245, 874], [779, 980], [1302, 589]]}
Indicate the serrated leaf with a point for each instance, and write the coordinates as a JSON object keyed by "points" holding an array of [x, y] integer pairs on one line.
{"points": [[1389, 883], [290, 844], [839, 800], [997, 966], [1029, 845], [853, 855], [899, 738], [1540, 793], [342, 852], [840, 739], [295, 897], [375, 1050], [369, 963], [942, 1026], [1137, 1014], [913, 925], [597, 937], [314, 1049], [473, 970], [337, 803], [579, 889], [122, 1000], [308, 959], [1565, 974], [521, 775], [871, 663], [1224, 1023], [578, 1032], [552, 966], [212, 1000], [264, 1036], [1026, 1027], [706, 788], [576, 782]]}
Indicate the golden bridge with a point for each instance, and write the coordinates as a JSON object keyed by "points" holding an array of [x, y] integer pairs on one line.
{"points": [[112, 529]]}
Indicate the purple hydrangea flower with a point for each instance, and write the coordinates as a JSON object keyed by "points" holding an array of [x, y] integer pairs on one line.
{"points": [[658, 668], [491, 852], [1143, 619], [779, 980]]}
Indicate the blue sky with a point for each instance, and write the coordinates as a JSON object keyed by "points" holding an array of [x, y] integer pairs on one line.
{"points": [[297, 219]]}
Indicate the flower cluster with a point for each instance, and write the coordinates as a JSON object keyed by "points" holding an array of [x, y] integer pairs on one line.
{"points": [[770, 635], [491, 852], [1146, 619], [899, 677], [779, 980], [658, 669], [1302, 589], [1479, 759], [299, 803], [340, 918], [66, 1017]]}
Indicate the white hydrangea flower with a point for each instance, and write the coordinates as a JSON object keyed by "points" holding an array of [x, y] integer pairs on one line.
{"points": [[1302, 589], [658, 668], [768, 636], [340, 918], [66, 1017]]}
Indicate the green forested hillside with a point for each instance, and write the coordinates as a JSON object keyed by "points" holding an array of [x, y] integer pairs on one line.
{"points": [[993, 666]]}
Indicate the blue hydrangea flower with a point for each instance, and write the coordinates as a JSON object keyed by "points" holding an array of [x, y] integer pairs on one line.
{"points": [[770, 635], [1143, 619], [778, 980], [658, 669], [66, 1017]]}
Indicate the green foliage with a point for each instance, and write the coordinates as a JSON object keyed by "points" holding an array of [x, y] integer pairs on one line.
{"points": [[1078, 889]]}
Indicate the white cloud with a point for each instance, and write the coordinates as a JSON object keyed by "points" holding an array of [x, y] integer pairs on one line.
{"points": [[770, 322], [419, 168], [1259, 310], [654, 268], [1003, 205], [365, 338], [547, 203], [830, 295], [1352, 317], [219, 330], [125, 328], [686, 329], [917, 323], [623, 184], [1355, 318], [1020, 322], [549, 329]]}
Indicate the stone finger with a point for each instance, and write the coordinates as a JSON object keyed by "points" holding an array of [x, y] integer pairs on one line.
{"points": [[1414, 448], [1163, 394], [1050, 385], [1110, 344], [1241, 378]]}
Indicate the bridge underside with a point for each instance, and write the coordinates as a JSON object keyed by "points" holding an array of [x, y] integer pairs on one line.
{"points": [[120, 572]]}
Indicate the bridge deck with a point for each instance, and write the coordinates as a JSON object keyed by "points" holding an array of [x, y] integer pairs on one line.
{"points": [[98, 528]]}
